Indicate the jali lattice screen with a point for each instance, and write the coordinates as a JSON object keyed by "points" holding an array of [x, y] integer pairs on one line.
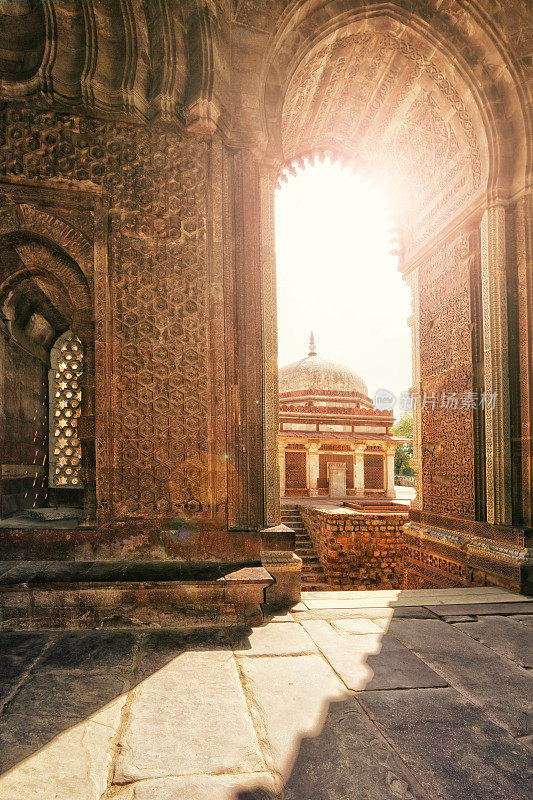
{"points": [[66, 362]]}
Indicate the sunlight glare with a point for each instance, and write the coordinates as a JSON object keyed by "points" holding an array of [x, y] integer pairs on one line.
{"points": [[337, 276]]}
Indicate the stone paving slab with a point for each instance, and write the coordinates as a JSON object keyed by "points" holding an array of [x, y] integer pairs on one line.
{"points": [[526, 741], [17, 653], [371, 661], [69, 695], [258, 786], [525, 618], [317, 736], [401, 597], [289, 699], [188, 717], [283, 640], [159, 648], [348, 760], [372, 612], [499, 687], [475, 608], [356, 627], [504, 636], [45, 757], [145, 715], [90, 650], [278, 616], [454, 751]]}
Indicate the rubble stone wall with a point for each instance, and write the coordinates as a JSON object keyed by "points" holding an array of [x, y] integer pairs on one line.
{"points": [[357, 551]]}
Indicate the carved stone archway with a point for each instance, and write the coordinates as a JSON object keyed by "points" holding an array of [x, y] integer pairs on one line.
{"points": [[40, 277], [403, 94]]}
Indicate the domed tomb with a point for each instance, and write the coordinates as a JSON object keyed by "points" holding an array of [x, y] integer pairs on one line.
{"points": [[315, 375], [332, 441]]}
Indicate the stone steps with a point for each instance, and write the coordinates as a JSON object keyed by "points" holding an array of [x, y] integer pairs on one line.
{"points": [[313, 575], [37, 595]]}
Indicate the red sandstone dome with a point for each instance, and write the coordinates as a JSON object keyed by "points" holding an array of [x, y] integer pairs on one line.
{"points": [[317, 375]]}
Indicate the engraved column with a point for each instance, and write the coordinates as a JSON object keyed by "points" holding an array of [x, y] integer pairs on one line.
{"points": [[496, 363], [359, 473], [281, 465], [272, 512], [414, 323], [391, 492]]}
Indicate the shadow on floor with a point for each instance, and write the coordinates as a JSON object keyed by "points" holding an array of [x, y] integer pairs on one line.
{"points": [[369, 745]]}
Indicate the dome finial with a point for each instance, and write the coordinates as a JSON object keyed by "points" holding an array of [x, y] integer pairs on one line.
{"points": [[312, 348]]}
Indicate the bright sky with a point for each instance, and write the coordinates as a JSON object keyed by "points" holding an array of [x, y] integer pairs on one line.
{"points": [[336, 277]]}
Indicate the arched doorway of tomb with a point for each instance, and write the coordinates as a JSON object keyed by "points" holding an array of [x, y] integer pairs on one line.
{"points": [[46, 352], [418, 104]]}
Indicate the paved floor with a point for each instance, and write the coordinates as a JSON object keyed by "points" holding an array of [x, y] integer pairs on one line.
{"points": [[351, 696], [404, 494]]}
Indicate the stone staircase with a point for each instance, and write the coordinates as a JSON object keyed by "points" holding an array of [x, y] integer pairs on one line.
{"points": [[313, 576]]}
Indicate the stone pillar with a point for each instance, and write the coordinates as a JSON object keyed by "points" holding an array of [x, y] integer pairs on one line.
{"points": [[389, 480], [359, 473], [103, 349], [313, 467], [272, 512], [242, 232], [524, 259], [86, 424], [496, 364], [414, 323], [281, 466]]}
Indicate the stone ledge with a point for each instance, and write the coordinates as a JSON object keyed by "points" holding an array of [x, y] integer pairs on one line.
{"points": [[467, 542], [462, 558], [61, 595]]}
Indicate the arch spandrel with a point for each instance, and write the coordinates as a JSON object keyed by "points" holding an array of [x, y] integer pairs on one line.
{"points": [[376, 95], [30, 253], [333, 72], [25, 219]]}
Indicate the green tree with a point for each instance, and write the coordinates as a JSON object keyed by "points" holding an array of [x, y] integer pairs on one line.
{"points": [[404, 452]]}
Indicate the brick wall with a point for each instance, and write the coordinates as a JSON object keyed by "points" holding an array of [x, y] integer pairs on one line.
{"points": [[358, 551]]}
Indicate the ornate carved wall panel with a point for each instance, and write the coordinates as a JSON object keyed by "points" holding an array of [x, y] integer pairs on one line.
{"points": [[379, 97], [447, 379], [153, 186]]}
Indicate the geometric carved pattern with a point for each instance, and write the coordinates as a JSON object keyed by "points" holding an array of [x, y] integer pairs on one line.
{"points": [[161, 347], [65, 408], [446, 368], [154, 182], [431, 565], [381, 102], [434, 570]]}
